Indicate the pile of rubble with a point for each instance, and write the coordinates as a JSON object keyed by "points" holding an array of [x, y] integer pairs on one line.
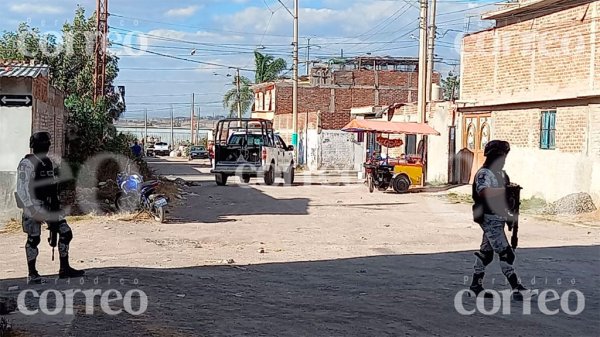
{"points": [[572, 204]]}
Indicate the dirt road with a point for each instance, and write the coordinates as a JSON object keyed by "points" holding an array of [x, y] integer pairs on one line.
{"points": [[311, 260]]}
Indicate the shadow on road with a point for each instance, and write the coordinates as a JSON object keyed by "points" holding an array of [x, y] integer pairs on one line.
{"points": [[387, 295], [211, 204], [182, 168]]}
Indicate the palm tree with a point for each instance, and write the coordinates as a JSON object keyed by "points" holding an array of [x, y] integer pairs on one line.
{"points": [[246, 97], [268, 67]]}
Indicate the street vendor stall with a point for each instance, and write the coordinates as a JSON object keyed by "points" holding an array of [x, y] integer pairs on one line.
{"points": [[400, 173]]}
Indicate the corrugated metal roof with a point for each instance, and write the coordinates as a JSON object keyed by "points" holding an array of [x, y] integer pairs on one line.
{"points": [[14, 69]]}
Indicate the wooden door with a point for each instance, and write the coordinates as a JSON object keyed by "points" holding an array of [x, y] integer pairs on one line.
{"points": [[476, 134]]}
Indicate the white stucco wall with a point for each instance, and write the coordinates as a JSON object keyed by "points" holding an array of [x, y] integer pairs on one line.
{"points": [[15, 130], [437, 159], [552, 174]]}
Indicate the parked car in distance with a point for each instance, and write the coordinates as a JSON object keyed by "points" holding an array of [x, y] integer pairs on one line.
{"points": [[161, 149], [198, 152]]}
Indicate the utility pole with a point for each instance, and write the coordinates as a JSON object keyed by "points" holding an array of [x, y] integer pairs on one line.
{"points": [[308, 56], [198, 127], [430, 50], [295, 87], [422, 90], [422, 98], [172, 122], [192, 120], [239, 97], [145, 128], [100, 48]]}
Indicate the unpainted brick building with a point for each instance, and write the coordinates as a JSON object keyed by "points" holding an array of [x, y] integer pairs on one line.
{"points": [[534, 79], [28, 104], [326, 97]]}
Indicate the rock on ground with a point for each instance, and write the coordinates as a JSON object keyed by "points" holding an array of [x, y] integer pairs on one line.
{"points": [[576, 203]]}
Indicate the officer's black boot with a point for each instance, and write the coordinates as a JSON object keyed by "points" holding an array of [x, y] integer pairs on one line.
{"points": [[66, 271], [477, 285], [518, 289], [33, 275]]}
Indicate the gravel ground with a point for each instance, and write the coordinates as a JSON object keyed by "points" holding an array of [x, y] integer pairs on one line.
{"points": [[309, 260]]}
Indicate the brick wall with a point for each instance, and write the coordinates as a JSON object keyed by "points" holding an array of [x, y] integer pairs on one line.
{"points": [[594, 131], [49, 113], [521, 127], [544, 57]]}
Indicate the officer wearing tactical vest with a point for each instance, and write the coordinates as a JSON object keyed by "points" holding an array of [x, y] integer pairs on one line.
{"points": [[38, 196], [489, 211]]}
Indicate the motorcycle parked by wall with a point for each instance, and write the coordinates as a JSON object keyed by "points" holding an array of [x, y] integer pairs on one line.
{"points": [[135, 194], [378, 175]]}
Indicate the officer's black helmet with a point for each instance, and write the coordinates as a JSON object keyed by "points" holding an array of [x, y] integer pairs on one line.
{"points": [[496, 148], [39, 140]]}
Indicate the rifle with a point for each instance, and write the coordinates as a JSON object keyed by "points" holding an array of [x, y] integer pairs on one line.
{"points": [[513, 201], [53, 236]]}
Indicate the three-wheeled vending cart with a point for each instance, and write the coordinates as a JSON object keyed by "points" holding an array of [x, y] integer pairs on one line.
{"points": [[398, 173]]}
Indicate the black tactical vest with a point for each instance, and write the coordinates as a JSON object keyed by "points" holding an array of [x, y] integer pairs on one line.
{"points": [[44, 186]]}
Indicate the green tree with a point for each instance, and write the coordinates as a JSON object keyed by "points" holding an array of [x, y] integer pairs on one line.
{"points": [[72, 66], [268, 68], [246, 97], [451, 86]]}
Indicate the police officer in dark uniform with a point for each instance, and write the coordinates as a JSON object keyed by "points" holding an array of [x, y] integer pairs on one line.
{"points": [[38, 196], [489, 211]]}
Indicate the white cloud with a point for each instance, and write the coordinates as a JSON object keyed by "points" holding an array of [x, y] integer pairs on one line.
{"points": [[31, 8], [183, 12]]}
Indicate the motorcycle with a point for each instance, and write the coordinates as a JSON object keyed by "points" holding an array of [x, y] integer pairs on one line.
{"points": [[135, 194], [378, 175]]}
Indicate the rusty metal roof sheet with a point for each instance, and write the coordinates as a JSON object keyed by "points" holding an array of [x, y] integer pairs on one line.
{"points": [[19, 69]]}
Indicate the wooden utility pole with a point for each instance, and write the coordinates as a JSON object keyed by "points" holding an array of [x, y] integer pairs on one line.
{"points": [[100, 48]]}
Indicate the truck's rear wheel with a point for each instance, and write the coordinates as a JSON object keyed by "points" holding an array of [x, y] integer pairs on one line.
{"points": [[221, 179], [270, 175], [288, 176]]}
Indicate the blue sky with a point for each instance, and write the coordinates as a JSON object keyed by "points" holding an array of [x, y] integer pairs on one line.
{"points": [[225, 32]]}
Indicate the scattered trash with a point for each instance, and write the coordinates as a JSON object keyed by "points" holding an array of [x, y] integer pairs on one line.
{"points": [[230, 261], [181, 295], [106, 228], [362, 271], [386, 225], [100, 184], [13, 288], [240, 268], [262, 250]]}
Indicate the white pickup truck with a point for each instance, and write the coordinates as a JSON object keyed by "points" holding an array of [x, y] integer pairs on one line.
{"points": [[161, 149], [249, 148]]}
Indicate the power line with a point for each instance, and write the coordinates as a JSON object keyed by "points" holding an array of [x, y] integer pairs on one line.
{"points": [[183, 58]]}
